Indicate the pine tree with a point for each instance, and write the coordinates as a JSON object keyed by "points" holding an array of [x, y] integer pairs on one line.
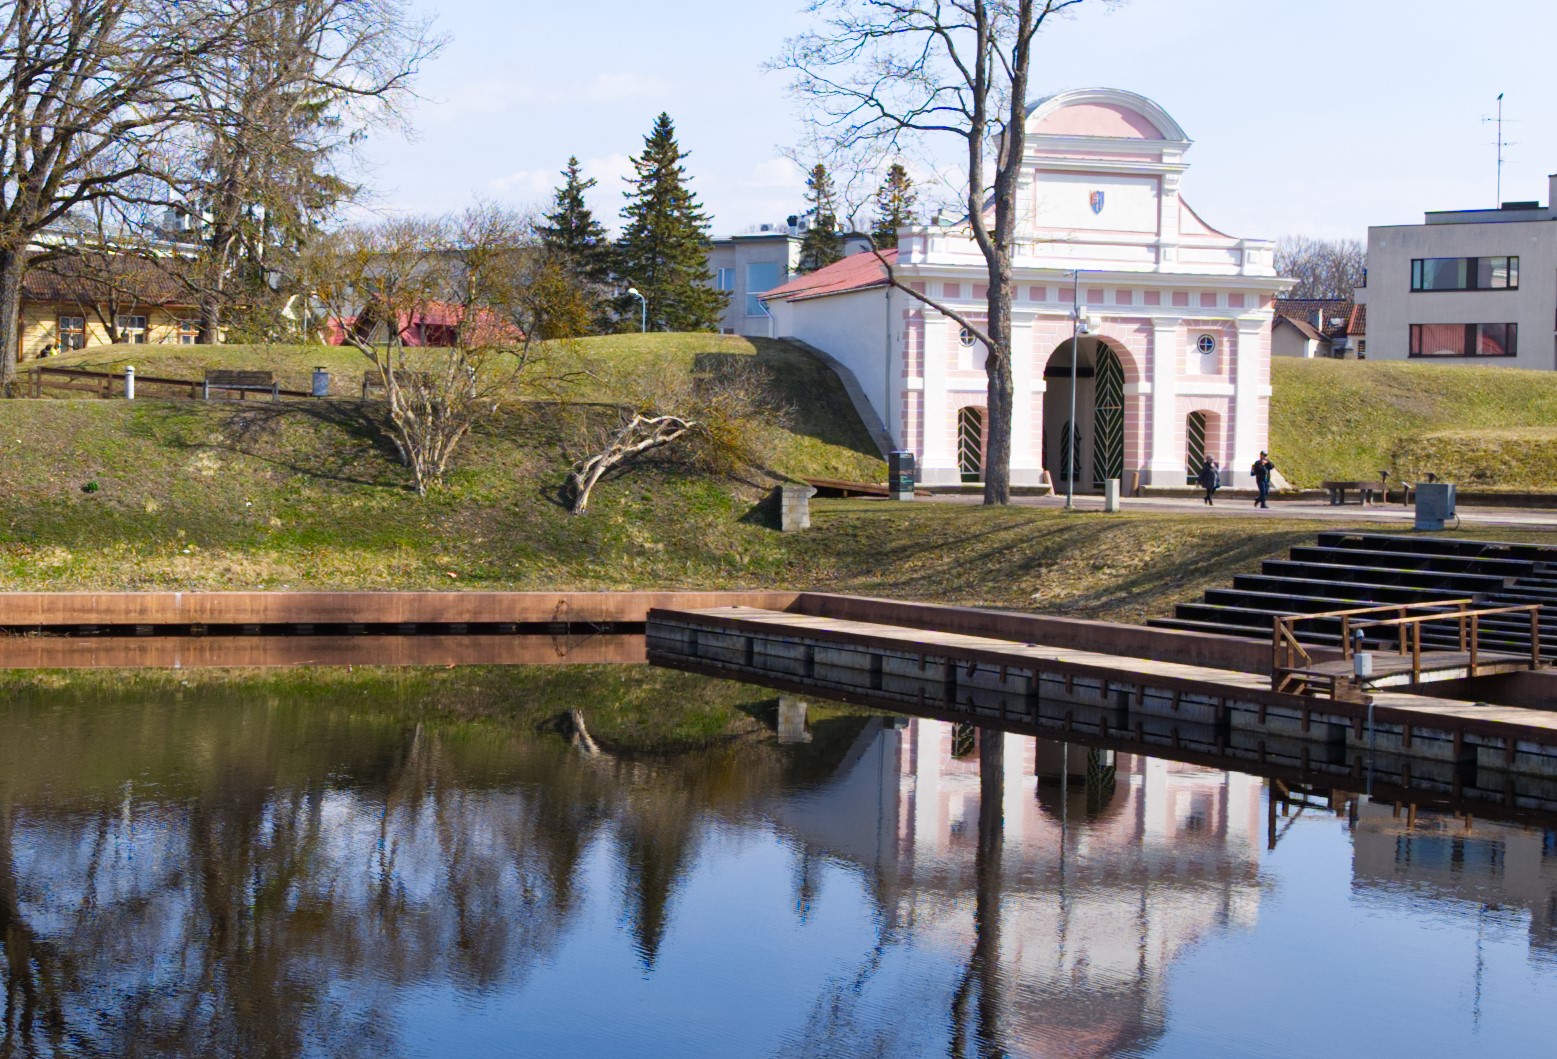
{"points": [[823, 243], [663, 251], [577, 245], [894, 206]]}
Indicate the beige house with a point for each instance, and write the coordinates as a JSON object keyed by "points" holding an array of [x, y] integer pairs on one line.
{"points": [[95, 300]]}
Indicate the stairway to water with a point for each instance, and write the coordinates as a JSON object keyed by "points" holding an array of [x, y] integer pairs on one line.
{"points": [[1344, 570]]}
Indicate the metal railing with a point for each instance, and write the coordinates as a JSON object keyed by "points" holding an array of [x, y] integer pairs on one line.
{"points": [[1291, 660]]}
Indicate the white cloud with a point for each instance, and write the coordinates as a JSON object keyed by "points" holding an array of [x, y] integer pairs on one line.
{"points": [[614, 88]]}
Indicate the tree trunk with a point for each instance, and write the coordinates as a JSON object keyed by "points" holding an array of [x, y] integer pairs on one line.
{"points": [[999, 401], [213, 291], [13, 264]]}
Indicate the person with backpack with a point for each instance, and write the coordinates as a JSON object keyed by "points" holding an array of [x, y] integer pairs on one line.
{"points": [[1262, 470], [1210, 478]]}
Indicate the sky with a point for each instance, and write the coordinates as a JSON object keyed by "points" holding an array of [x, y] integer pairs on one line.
{"points": [[1319, 117]]}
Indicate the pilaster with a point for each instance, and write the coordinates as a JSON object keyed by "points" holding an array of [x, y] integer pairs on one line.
{"points": [[1164, 461]]}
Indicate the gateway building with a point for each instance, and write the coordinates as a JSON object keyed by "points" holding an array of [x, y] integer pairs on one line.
{"points": [[1175, 369]]}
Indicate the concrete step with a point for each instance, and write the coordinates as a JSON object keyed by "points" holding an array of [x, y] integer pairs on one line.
{"points": [[1537, 553], [1456, 585], [1394, 560]]}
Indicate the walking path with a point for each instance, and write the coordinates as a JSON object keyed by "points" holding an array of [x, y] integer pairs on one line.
{"points": [[1243, 507]]}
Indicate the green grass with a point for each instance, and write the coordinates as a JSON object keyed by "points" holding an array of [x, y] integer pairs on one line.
{"points": [[1479, 426]]}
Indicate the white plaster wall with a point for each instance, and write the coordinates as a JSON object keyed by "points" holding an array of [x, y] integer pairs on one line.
{"points": [[852, 328], [1286, 342], [1393, 307]]}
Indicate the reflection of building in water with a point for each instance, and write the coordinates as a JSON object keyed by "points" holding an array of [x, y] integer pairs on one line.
{"points": [[1460, 859], [1110, 866]]}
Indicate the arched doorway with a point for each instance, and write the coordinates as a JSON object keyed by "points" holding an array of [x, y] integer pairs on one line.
{"points": [[1202, 441], [1194, 445], [970, 443], [1093, 446]]}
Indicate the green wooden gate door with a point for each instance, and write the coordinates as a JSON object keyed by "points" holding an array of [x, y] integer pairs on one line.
{"points": [[1108, 419]]}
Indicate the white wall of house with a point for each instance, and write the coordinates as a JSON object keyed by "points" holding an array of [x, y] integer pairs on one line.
{"points": [[1287, 341], [1393, 307], [853, 328]]}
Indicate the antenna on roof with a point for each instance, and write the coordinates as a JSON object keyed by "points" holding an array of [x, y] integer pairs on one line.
{"points": [[1501, 143]]}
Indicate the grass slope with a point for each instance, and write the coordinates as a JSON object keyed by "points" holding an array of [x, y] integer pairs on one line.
{"points": [[1483, 427]]}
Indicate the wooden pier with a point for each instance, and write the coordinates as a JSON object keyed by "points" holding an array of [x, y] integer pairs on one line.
{"points": [[989, 679]]}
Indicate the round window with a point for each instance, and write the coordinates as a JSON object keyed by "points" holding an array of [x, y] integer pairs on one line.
{"points": [[965, 337], [1207, 344]]}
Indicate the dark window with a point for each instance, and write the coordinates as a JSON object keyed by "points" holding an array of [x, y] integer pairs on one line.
{"points": [[1464, 340], [1464, 273]]}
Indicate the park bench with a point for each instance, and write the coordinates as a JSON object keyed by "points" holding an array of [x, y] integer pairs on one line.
{"points": [[241, 382], [1366, 491], [373, 381]]}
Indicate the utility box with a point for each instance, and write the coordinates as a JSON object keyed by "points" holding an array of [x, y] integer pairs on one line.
{"points": [[901, 474], [1434, 504]]}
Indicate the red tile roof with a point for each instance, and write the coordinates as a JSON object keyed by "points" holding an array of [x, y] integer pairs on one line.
{"points": [[1358, 323], [1302, 327], [91, 277], [856, 272]]}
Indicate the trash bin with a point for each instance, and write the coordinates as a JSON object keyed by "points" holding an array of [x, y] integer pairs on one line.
{"points": [[321, 382], [900, 474]]}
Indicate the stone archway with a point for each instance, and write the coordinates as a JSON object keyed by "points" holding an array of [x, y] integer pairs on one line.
{"points": [[1095, 444]]}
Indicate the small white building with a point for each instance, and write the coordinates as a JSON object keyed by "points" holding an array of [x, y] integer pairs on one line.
{"points": [[1466, 287], [1176, 370]]}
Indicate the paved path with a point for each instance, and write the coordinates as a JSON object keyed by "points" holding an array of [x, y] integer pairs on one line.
{"points": [[1228, 507]]}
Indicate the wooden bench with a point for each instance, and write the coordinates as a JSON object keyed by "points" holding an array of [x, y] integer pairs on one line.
{"points": [[373, 382], [242, 382], [1366, 491]]}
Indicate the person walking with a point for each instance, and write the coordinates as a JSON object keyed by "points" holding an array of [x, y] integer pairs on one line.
{"points": [[1262, 470], [1210, 479]]}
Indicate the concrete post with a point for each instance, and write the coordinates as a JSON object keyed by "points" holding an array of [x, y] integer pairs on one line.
{"points": [[1111, 495], [792, 720], [795, 507]]}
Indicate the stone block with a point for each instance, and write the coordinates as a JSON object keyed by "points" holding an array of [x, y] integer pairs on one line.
{"points": [[795, 507]]}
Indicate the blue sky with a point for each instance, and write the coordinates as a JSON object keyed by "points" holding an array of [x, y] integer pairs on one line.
{"points": [[1317, 116]]}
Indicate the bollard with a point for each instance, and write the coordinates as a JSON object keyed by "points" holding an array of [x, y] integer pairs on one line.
{"points": [[1111, 495], [129, 383]]}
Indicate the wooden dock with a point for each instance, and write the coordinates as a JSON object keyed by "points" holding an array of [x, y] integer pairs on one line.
{"points": [[958, 674]]}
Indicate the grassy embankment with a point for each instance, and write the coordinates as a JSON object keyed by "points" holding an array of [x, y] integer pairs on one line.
{"points": [[1485, 428], [305, 494]]}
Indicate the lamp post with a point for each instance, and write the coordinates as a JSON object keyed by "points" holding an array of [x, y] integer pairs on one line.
{"points": [[643, 309], [1078, 328]]}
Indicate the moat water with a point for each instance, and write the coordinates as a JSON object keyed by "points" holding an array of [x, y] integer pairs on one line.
{"points": [[431, 862]]}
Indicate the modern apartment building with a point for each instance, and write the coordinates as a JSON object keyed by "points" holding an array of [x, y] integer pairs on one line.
{"points": [[754, 263], [1466, 286]]}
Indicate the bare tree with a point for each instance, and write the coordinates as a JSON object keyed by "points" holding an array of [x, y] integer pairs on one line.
{"points": [[89, 91], [261, 164], [430, 304], [876, 74], [1323, 268], [722, 411]]}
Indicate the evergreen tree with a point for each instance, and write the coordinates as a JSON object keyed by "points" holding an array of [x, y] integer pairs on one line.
{"points": [[894, 206], [663, 251], [823, 242], [577, 247]]}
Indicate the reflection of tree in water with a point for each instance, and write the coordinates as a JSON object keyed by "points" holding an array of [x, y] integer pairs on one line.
{"points": [[233, 875]]}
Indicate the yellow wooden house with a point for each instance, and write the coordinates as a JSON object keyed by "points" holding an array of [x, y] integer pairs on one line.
{"points": [[91, 300]]}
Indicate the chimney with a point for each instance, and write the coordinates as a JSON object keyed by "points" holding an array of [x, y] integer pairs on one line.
{"points": [[1551, 194]]}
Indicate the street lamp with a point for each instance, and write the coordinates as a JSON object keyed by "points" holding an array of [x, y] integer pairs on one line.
{"points": [[1078, 327], [643, 307]]}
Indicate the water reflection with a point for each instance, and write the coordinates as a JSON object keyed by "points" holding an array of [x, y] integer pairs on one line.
{"points": [[427, 864]]}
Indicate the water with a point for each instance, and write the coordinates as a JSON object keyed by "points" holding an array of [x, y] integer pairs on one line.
{"points": [[423, 863]]}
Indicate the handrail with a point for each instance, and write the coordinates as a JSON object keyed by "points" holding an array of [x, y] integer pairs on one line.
{"points": [[1288, 655]]}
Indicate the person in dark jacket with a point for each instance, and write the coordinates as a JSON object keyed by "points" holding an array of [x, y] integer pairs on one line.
{"points": [[1262, 470], [1210, 479]]}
